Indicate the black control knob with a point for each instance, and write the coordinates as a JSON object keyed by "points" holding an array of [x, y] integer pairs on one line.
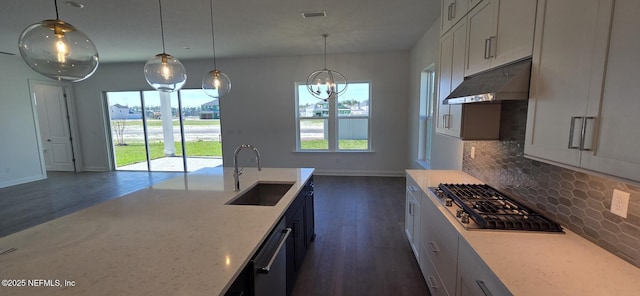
{"points": [[464, 218], [448, 202], [459, 212]]}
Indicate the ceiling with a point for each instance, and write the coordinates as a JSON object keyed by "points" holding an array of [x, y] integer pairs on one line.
{"points": [[129, 30]]}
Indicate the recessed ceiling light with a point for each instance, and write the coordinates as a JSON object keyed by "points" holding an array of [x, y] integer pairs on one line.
{"points": [[318, 13], [74, 4]]}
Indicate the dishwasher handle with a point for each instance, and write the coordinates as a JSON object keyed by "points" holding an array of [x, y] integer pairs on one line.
{"points": [[283, 240]]}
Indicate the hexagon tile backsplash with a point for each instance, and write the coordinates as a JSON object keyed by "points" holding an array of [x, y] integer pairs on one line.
{"points": [[578, 201]]}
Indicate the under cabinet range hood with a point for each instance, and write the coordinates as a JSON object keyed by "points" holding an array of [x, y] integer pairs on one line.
{"points": [[508, 82]]}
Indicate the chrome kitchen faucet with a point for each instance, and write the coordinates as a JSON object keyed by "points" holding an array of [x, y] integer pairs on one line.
{"points": [[237, 172]]}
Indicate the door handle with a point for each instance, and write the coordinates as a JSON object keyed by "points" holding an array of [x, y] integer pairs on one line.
{"points": [[484, 288], [572, 131], [267, 268], [431, 282], [583, 133], [487, 44], [434, 247]]}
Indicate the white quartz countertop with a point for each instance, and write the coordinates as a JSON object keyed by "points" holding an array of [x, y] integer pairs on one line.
{"points": [[175, 238], [540, 263]]}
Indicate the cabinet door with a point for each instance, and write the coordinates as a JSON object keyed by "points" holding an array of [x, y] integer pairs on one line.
{"points": [[444, 82], [452, 53], [452, 12], [412, 217], [567, 65], [482, 27], [514, 30], [474, 276], [500, 32], [617, 148]]}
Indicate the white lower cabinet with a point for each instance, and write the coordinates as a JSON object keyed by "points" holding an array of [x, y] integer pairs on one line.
{"points": [[449, 265], [474, 277], [412, 216]]}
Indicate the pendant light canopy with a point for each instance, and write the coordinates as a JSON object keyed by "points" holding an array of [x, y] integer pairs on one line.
{"points": [[56, 49], [326, 84], [215, 83], [164, 72]]}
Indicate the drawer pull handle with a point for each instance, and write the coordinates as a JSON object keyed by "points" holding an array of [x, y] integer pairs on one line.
{"points": [[434, 247], [484, 288], [431, 281]]}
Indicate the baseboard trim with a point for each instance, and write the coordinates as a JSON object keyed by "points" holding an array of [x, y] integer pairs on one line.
{"points": [[354, 173], [95, 169], [22, 181]]}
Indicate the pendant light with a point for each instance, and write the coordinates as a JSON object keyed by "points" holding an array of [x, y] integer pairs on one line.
{"points": [[215, 83], [164, 72], [56, 49], [326, 84]]}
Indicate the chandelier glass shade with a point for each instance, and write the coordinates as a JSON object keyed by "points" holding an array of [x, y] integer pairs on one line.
{"points": [[326, 84], [56, 49], [215, 83], [163, 71]]}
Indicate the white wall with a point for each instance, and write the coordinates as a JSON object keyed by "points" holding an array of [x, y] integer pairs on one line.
{"points": [[19, 155], [260, 110], [446, 152]]}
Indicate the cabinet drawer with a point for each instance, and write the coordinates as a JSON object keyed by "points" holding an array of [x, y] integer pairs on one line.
{"points": [[446, 233], [474, 276], [443, 257], [431, 276]]}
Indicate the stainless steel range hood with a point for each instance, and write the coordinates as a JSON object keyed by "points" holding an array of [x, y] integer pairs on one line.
{"points": [[508, 82]]}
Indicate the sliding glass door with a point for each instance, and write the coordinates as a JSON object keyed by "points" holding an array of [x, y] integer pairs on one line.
{"points": [[157, 131]]}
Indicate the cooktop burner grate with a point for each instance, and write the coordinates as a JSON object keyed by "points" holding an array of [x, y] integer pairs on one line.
{"points": [[491, 209]]}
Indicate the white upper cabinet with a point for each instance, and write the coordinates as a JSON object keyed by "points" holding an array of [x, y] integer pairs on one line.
{"points": [[615, 147], [584, 103], [452, 49], [452, 12], [500, 31], [466, 121]]}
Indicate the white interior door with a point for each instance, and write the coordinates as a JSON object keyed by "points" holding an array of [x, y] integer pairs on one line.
{"points": [[54, 127]]}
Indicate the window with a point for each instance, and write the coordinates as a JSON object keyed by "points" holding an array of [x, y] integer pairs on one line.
{"points": [[159, 131], [341, 124], [427, 93]]}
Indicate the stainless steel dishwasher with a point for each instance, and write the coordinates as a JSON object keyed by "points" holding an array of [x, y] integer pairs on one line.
{"points": [[269, 264]]}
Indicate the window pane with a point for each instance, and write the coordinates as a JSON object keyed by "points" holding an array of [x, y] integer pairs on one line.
{"points": [[313, 134], [201, 120], [125, 115], [353, 134], [163, 131], [354, 101], [310, 106]]}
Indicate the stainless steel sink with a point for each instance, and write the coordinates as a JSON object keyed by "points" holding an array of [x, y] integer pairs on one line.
{"points": [[262, 194]]}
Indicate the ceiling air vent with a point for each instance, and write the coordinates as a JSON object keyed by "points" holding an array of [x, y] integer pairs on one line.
{"points": [[319, 13]]}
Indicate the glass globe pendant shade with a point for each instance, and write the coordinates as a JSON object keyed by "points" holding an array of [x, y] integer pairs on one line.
{"points": [[165, 73], [216, 84], [56, 49], [324, 84]]}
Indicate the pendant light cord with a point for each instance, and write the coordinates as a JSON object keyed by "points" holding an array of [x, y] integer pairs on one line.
{"points": [[213, 36], [55, 3], [325, 50], [161, 26]]}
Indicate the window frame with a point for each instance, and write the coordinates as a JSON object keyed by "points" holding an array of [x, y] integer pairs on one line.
{"points": [[332, 124]]}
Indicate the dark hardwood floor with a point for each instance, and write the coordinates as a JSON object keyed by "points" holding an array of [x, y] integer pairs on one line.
{"points": [[62, 193], [360, 246]]}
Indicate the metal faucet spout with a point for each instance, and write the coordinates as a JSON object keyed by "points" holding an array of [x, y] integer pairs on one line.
{"points": [[237, 172]]}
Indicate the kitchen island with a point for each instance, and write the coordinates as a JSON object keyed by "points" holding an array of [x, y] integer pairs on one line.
{"points": [[177, 237], [526, 263]]}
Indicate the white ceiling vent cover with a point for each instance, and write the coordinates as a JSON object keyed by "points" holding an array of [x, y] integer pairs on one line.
{"points": [[309, 14]]}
